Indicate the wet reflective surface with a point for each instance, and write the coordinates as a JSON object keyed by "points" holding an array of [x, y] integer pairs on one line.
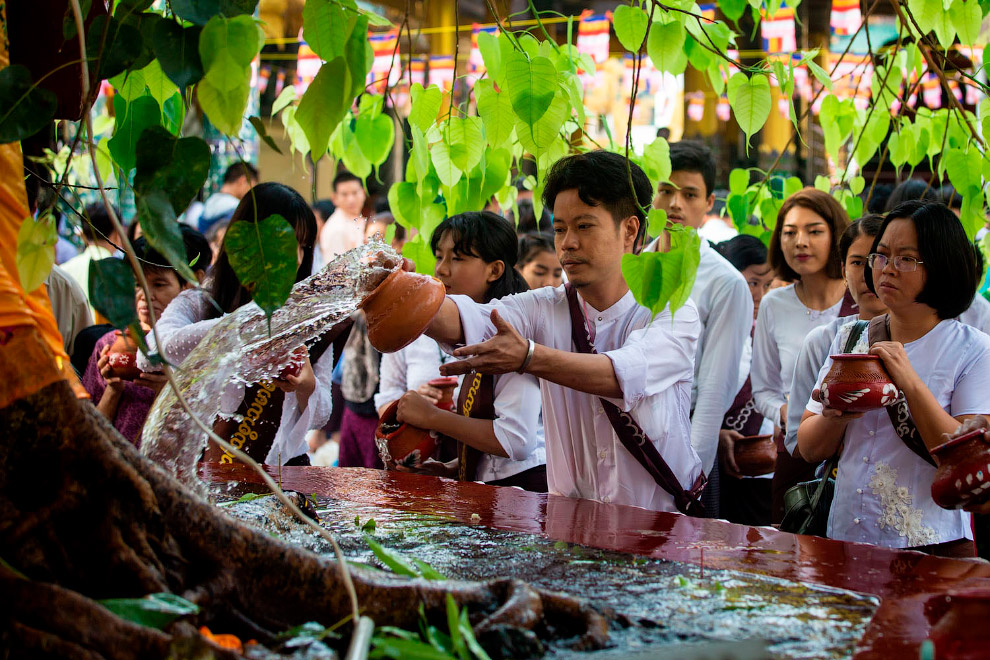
{"points": [[902, 581]]}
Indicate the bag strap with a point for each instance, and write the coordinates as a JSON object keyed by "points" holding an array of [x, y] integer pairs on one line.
{"points": [[830, 466], [631, 434], [900, 415]]}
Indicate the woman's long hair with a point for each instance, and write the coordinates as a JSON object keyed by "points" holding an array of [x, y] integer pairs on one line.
{"points": [[262, 201], [489, 237]]}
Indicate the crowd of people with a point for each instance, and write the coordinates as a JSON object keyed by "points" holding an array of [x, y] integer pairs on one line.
{"points": [[565, 383]]}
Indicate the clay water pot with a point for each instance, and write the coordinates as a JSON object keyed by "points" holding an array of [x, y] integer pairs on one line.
{"points": [[400, 308], [401, 443], [963, 474], [755, 455], [447, 385], [857, 383], [123, 357], [959, 623]]}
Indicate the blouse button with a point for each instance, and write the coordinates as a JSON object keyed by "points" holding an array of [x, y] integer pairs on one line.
{"points": [[599, 318], [872, 433], [856, 520], [603, 453], [606, 499], [859, 491], [866, 459]]}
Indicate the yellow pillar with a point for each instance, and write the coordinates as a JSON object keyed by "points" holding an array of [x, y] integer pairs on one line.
{"points": [[441, 13]]}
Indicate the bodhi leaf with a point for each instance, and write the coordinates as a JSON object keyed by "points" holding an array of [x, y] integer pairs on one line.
{"points": [[153, 611], [656, 161], [750, 101], [201, 11], [656, 221], [161, 228], [657, 279], [531, 85], [496, 112], [327, 26], [404, 203], [226, 49], [111, 291], [131, 120], [490, 54], [466, 142], [965, 170], [375, 136], [443, 161], [546, 131], [664, 46], [425, 106], [262, 132], [178, 167], [966, 18], [324, 104], [225, 108], [818, 72], [177, 50], [263, 256], [24, 110], [359, 56], [350, 151], [630, 25], [738, 181], [120, 47], [35, 251]]}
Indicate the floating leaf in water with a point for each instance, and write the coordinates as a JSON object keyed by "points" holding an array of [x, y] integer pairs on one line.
{"points": [[263, 256], [153, 611], [394, 560]]}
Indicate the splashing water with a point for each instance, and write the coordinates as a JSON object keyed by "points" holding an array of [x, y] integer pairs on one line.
{"points": [[241, 349]]}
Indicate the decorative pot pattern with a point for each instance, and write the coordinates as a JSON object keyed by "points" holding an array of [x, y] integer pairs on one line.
{"points": [[857, 383], [959, 618], [755, 455], [400, 308], [963, 474], [403, 443], [123, 357]]}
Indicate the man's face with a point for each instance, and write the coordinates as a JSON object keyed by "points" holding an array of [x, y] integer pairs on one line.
{"points": [[349, 196], [589, 243], [242, 186], [685, 199]]}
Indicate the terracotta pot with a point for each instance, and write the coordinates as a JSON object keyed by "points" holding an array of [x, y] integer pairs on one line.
{"points": [[401, 443], [447, 384], [123, 357], [400, 308], [959, 618], [963, 475], [857, 383], [755, 455]]}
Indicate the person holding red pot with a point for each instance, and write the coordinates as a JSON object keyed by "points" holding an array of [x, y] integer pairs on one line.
{"points": [[924, 269], [495, 433]]}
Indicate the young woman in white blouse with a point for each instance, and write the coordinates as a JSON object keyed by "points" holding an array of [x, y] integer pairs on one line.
{"points": [[924, 269], [476, 256], [804, 249]]}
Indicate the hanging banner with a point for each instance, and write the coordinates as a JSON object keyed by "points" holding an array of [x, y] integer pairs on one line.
{"points": [[778, 31], [386, 69], [442, 71], [308, 65], [696, 106], [417, 71], [264, 75], [846, 17], [722, 109], [593, 35], [707, 10], [931, 91]]}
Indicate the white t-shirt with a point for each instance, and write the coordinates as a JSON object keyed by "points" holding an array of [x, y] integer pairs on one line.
{"points": [[654, 364], [883, 489], [340, 233]]}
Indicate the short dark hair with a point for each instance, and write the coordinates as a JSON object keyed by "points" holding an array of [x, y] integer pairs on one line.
{"points": [[601, 178], [947, 195], [868, 225], [826, 207], [96, 223], [911, 190], [198, 253], [693, 156], [240, 169], [533, 244], [950, 259], [878, 197], [344, 177], [743, 251], [526, 221], [325, 208], [490, 237]]}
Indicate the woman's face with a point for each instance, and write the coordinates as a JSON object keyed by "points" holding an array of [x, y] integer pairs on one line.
{"points": [[854, 271], [543, 270], [164, 286], [464, 274], [896, 289], [758, 277], [806, 241]]}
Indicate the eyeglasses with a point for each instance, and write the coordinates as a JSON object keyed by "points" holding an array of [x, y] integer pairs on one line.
{"points": [[878, 261]]}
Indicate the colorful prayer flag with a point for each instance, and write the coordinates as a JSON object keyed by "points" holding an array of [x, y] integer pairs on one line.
{"points": [[846, 17], [386, 68], [442, 71], [593, 35], [777, 31]]}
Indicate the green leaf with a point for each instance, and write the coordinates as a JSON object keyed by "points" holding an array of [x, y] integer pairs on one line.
{"points": [[153, 611], [822, 183], [449, 173], [263, 256], [392, 559], [404, 203], [656, 161], [630, 25], [965, 170], [733, 9], [495, 109], [111, 291], [351, 154], [531, 85], [131, 120], [25, 109], [419, 252], [490, 54], [546, 131], [819, 73], [324, 104], [327, 26], [661, 278], [123, 45], [406, 649], [738, 181], [161, 228], [656, 221], [225, 108], [856, 184], [699, 57], [226, 49], [425, 106], [177, 50], [466, 142], [966, 18], [35, 251], [262, 132], [750, 101], [359, 56], [375, 136], [201, 11], [665, 47], [285, 98]]}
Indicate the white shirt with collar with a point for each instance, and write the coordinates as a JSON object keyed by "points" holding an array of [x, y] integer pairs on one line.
{"points": [[340, 233], [883, 489], [654, 364], [725, 308]]}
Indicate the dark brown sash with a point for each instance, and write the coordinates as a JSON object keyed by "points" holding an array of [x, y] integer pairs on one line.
{"points": [[631, 434], [476, 400]]}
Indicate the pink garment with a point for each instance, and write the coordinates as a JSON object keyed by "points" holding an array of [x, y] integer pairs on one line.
{"points": [[135, 402], [340, 234], [357, 441]]}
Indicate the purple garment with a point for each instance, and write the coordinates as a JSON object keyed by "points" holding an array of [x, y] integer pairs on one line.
{"points": [[135, 401], [357, 441]]}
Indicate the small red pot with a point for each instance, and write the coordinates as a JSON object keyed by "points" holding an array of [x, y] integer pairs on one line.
{"points": [[401, 443], [755, 455], [959, 623], [857, 383], [447, 384], [963, 475], [123, 357], [400, 309]]}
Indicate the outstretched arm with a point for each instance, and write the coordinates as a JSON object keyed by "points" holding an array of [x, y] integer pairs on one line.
{"points": [[446, 326]]}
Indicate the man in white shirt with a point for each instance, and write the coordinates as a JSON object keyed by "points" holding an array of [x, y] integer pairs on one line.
{"points": [[724, 303], [344, 229], [643, 365], [101, 242], [237, 181]]}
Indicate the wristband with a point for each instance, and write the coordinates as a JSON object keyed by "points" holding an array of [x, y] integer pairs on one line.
{"points": [[529, 357]]}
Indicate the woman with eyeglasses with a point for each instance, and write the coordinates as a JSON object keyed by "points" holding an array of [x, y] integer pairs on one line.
{"points": [[924, 269]]}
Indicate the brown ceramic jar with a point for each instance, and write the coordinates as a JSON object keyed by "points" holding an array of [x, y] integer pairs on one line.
{"points": [[755, 455], [857, 383], [963, 474], [123, 357], [400, 308], [959, 623], [400, 443]]}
